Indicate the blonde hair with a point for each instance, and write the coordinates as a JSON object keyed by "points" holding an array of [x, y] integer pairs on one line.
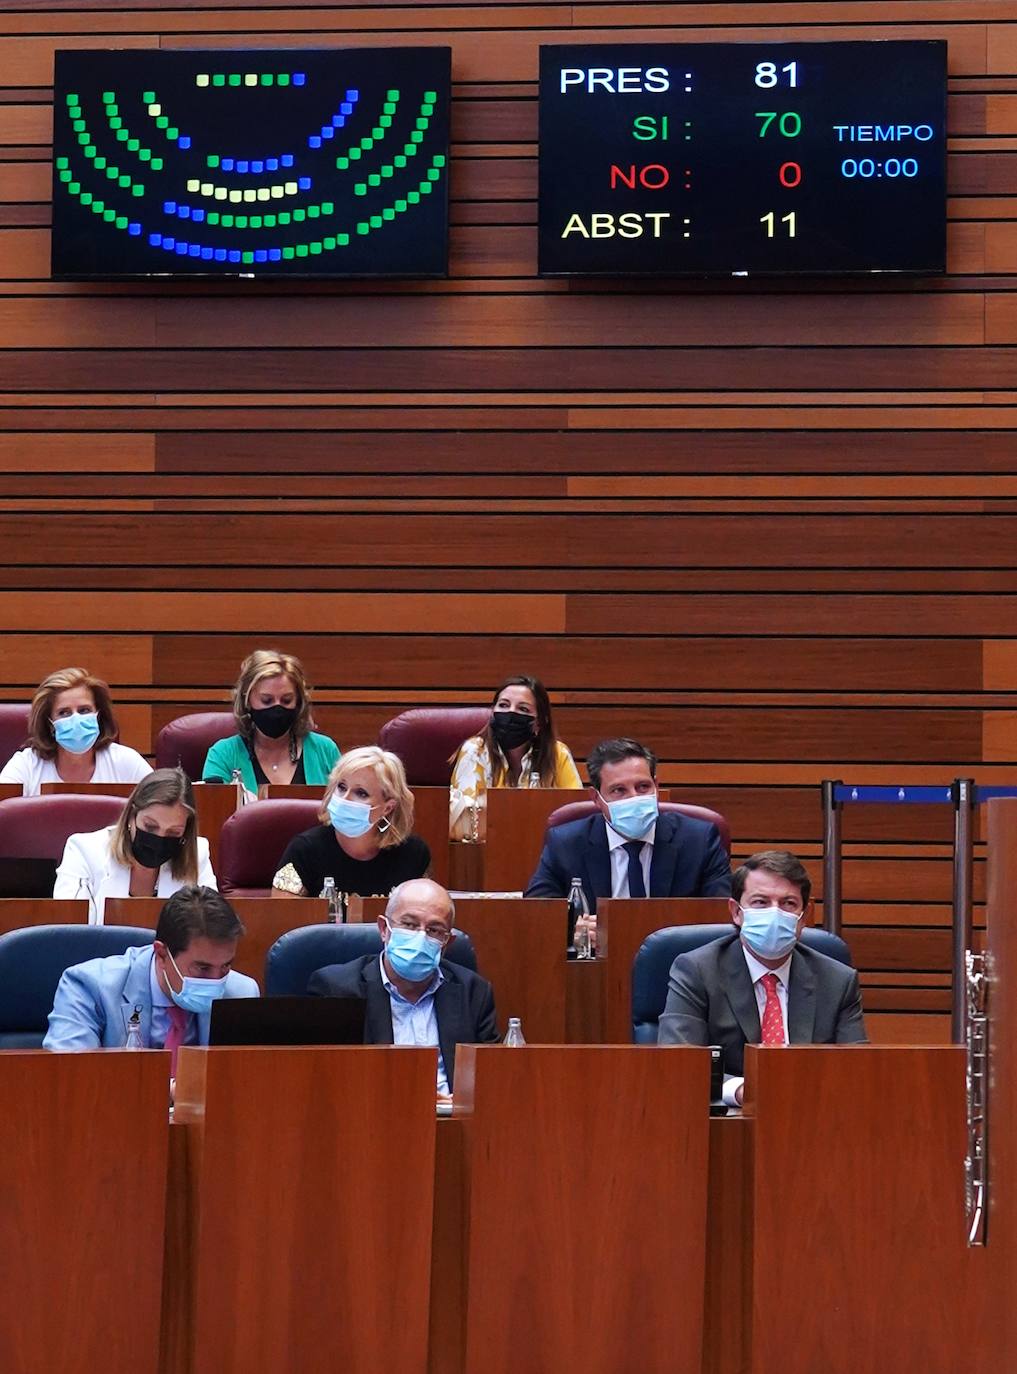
{"points": [[263, 663], [40, 730], [391, 777], [163, 787]]}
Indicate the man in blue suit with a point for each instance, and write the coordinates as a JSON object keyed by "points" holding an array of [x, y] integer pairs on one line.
{"points": [[630, 848], [166, 989]]}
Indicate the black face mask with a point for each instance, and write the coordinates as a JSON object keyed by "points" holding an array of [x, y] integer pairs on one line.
{"points": [[274, 721], [152, 851], [512, 728]]}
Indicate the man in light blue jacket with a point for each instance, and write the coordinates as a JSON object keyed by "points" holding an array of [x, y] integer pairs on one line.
{"points": [[165, 991]]}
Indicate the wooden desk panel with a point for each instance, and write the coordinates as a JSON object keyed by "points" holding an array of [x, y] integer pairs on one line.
{"points": [[264, 918], [83, 1144], [18, 912], [623, 923], [10, 789], [516, 821], [859, 1254], [309, 1249], [587, 1171]]}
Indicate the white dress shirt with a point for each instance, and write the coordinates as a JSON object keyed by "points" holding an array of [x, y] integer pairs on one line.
{"points": [[757, 972], [620, 860], [88, 869], [113, 763]]}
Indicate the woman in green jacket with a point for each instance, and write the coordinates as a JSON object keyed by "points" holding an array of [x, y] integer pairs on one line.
{"points": [[276, 742]]}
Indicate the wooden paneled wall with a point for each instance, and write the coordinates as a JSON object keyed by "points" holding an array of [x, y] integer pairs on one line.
{"points": [[769, 528]]}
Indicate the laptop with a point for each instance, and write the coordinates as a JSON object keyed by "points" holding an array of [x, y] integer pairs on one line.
{"points": [[288, 1021]]}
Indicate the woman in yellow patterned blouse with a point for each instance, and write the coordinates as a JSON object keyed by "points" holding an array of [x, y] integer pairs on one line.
{"points": [[517, 748]]}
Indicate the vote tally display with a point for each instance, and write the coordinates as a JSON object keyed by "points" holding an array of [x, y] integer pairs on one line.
{"points": [[741, 158]]}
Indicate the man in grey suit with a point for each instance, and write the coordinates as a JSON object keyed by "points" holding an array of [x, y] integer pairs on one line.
{"points": [[759, 985]]}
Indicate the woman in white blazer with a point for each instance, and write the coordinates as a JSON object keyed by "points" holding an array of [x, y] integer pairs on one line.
{"points": [[152, 851]]}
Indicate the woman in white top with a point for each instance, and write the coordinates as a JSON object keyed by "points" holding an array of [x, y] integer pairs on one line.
{"points": [[152, 851], [72, 737]]}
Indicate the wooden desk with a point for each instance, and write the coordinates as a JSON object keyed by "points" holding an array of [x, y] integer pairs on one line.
{"points": [[623, 923], [586, 1208], [264, 920], [18, 912], [859, 1255], [10, 789], [212, 804], [306, 1183], [83, 1144]]}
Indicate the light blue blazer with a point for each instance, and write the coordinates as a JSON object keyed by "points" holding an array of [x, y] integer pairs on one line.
{"points": [[95, 1000]]}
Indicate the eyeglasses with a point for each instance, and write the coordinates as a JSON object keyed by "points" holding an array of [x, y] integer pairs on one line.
{"points": [[433, 932]]}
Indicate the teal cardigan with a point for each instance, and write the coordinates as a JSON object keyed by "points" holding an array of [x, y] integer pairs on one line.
{"points": [[320, 753]]}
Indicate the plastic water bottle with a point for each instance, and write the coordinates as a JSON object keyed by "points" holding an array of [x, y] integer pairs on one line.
{"points": [[514, 1034], [237, 779], [335, 906], [534, 779], [134, 1040], [579, 935]]}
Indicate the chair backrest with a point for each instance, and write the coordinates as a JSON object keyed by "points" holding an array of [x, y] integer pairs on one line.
{"points": [[575, 811], [652, 965], [34, 830], [427, 737], [13, 728], [253, 840], [301, 952], [184, 742], [32, 961]]}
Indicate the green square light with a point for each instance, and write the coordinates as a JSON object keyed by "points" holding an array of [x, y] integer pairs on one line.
{"points": [[212, 160], [284, 80], [425, 188], [422, 123], [377, 133], [138, 191], [268, 221], [212, 217], [75, 112], [133, 145], [376, 221], [218, 79], [78, 125], [284, 218], [299, 216], [124, 181], [399, 160], [73, 99], [145, 154], [431, 96], [234, 78], [267, 79], [391, 95], [416, 136], [413, 197], [62, 163], [100, 161], [247, 257], [174, 134], [387, 173], [314, 212], [122, 135], [65, 175], [157, 164], [315, 249], [227, 221], [342, 163], [255, 221], [389, 107], [98, 207], [327, 208], [374, 179], [388, 213], [115, 122], [363, 228], [434, 174], [329, 244], [301, 250], [360, 188], [148, 97], [84, 140], [86, 197], [91, 151], [438, 160], [121, 221], [240, 221], [161, 122], [108, 97], [427, 110], [356, 154], [113, 173], [288, 253], [342, 240], [400, 206]]}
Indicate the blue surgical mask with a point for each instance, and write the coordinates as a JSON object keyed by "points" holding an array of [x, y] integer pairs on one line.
{"points": [[633, 816], [769, 931], [350, 818], [412, 953], [76, 733], [197, 994]]}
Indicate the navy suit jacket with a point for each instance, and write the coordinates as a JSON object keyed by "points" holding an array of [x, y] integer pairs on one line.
{"points": [[463, 1005], [689, 859]]}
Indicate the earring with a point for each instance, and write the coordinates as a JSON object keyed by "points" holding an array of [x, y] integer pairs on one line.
{"points": [[383, 825]]}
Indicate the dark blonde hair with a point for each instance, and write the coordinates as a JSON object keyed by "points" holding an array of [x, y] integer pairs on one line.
{"points": [[263, 663], [391, 778], [40, 731], [163, 787]]}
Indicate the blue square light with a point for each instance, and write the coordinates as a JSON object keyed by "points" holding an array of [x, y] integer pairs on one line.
{"points": [[258, 166], [234, 255], [181, 248], [134, 230], [169, 243], [272, 164], [206, 254], [275, 255], [287, 159], [242, 166], [169, 207], [352, 95], [299, 78], [227, 164], [328, 131], [314, 141], [260, 255], [155, 240], [184, 212], [183, 141], [304, 183], [198, 216], [220, 255], [194, 250]]}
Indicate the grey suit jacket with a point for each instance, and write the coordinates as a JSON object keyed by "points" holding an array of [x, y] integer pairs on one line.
{"points": [[711, 1001]]}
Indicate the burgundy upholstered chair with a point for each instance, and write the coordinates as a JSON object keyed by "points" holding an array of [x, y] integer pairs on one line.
{"points": [[34, 830], [575, 811], [253, 840], [13, 729], [184, 742], [427, 737]]}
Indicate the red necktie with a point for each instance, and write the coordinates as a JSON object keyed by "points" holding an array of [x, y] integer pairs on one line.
{"points": [[773, 1020], [176, 1033]]}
